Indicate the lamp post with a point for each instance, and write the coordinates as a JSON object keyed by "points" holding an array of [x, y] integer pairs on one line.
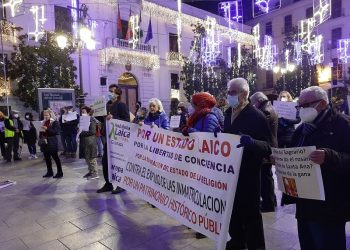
{"points": [[284, 70]]}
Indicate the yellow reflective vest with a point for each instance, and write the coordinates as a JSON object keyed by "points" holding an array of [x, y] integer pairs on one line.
{"points": [[9, 133]]}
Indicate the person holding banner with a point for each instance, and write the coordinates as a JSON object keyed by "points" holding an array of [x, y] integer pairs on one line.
{"points": [[321, 224], [87, 145], [116, 109], [268, 197], [241, 118], [156, 115]]}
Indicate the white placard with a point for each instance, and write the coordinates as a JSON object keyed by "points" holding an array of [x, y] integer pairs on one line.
{"points": [[192, 179], [175, 121], [38, 126], [84, 123], [99, 106], [285, 109], [297, 175], [69, 117]]}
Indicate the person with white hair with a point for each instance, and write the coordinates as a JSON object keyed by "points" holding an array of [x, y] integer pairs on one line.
{"points": [[321, 224], [156, 115], [268, 196], [242, 118]]}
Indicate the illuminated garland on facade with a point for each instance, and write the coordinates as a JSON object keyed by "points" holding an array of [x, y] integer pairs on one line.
{"points": [[122, 56], [170, 16], [174, 59], [344, 50]]}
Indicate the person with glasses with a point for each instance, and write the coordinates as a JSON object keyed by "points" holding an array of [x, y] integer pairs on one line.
{"points": [[242, 118], [321, 224]]}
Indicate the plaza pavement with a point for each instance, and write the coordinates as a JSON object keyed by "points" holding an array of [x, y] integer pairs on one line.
{"points": [[51, 214]]}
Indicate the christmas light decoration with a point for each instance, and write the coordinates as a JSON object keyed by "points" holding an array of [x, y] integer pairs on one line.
{"points": [[170, 16], [13, 5], [262, 7], [267, 55], [298, 54], [239, 55], [344, 50], [256, 34], [231, 11], [317, 50], [74, 13], [134, 21], [174, 59], [211, 42], [322, 11], [121, 56], [306, 33], [8, 31], [179, 24], [38, 21]]}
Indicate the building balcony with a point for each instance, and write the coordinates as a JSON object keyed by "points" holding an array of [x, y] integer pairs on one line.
{"points": [[174, 59], [125, 44]]}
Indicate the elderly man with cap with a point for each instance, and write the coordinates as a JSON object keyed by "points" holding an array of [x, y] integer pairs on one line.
{"points": [[242, 118], [268, 197], [321, 224], [13, 133]]}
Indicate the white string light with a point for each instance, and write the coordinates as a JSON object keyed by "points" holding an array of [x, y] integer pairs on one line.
{"points": [[239, 53], [322, 11], [13, 5], [38, 21], [211, 42], [344, 50], [267, 54], [317, 50], [179, 24], [174, 59], [74, 13], [298, 54], [134, 22], [306, 33], [121, 56], [263, 5]]}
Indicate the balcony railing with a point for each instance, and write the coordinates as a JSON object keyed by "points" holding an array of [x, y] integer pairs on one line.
{"points": [[125, 44]]}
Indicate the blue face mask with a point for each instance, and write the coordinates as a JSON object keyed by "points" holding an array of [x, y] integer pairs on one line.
{"points": [[232, 100]]}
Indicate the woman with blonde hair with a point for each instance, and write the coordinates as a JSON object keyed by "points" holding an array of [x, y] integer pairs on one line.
{"points": [[156, 115], [48, 143], [285, 96]]}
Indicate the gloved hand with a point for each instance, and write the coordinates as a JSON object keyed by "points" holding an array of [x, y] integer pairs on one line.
{"points": [[246, 141], [185, 131], [216, 131]]}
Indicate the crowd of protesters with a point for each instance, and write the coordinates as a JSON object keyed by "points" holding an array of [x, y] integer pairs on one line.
{"points": [[321, 224]]}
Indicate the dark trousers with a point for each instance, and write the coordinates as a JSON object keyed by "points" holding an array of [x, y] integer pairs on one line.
{"points": [[246, 231], [64, 141], [12, 145], [71, 140], [2, 144], [54, 155], [267, 187], [321, 235], [105, 164], [32, 148]]}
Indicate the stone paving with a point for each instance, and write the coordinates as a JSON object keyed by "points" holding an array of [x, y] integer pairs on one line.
{"points": [[39, 213]]}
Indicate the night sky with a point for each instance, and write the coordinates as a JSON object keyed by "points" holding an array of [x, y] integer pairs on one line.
{"points": [[212, 6]]}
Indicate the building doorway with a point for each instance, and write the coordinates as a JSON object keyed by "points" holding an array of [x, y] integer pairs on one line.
{"points": [[128, 83]]}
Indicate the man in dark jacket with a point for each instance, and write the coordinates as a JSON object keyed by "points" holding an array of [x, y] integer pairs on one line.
{"points": [[261, 102], [321, 224], [241, 118], [116, 110], [70, 130], [13, 133]]}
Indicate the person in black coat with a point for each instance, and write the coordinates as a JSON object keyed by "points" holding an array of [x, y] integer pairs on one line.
{"points": [[14, 124], [116, 109], [70, 130], [268, 197], [241, 118], [30, 135], [321, 224], [48, 143]]}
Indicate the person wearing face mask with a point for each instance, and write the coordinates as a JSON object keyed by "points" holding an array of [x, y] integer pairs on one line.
{"points": [[156, 115], [70, 130], [13, 134], [321, 224], [2, 135], [242, 118], [116, 109], [182, 111], [48, 143], [63, 112], [268, 197], [30, 135], [87, 146]]}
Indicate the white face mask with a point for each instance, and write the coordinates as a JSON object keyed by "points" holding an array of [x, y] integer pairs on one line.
{"points": [[15, 115], [70, 111], [84, 114], [27, 116], [308, 114], [284, 99]]}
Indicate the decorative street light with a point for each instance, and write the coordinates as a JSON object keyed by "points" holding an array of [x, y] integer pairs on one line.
{"points": [[61, 41]]}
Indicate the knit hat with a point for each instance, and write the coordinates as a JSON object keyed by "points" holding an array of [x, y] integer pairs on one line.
{"points": [[203, 100]]}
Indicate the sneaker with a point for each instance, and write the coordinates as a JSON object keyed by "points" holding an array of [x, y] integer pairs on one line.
{"points": [[93, 176], [105, 188], [87, 175], [35, 156], [30, 157], [118, 190]]}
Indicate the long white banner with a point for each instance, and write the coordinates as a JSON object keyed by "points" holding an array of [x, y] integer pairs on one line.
{"points": [[192, 179]]}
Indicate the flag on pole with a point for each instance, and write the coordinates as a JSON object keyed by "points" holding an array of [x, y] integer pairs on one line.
{"points": [[129, 32], [149, 31], [119, 26]]}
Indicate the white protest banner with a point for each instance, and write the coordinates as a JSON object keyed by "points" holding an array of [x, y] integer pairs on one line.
{"points": [[192, 179], [69, 117], [297, 175], [84, 123], [285, 109], [38, 126], [99, 106], [175, 121]]}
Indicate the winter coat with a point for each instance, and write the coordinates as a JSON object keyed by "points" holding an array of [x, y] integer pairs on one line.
{"points": [[285, 131], [220, 116], [208, 123], [332, 135], [272, 118], [250, 121], [87, 144], [52, 142], [159, 118], [70, 127], [30, 136], [119, 111]]}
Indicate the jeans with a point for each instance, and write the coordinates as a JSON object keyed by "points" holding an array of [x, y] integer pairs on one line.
{"points": [[99, 145], [321, 235], [32, 149], [54, 155], [71, 140], [64, 141]]}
